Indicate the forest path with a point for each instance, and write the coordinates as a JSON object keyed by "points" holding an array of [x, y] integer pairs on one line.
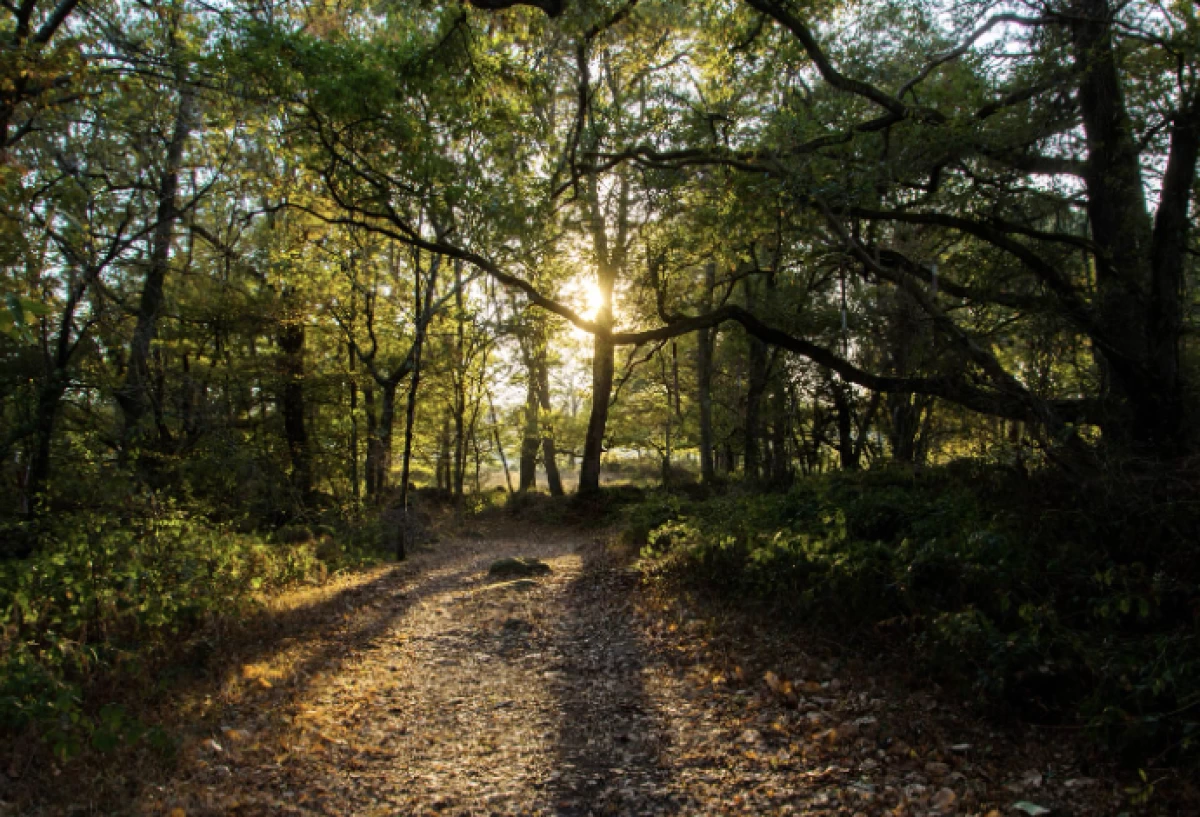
{"points": [[430, 688]]}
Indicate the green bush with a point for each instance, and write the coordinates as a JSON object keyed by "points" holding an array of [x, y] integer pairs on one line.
{"points": [[656, 510], [1071, 600], [103, 595]]}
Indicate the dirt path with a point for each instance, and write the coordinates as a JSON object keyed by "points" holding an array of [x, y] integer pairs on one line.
{"points": [[431, 689]]}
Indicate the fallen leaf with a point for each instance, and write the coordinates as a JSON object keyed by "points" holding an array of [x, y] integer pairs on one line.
{"points": [[1032, 809], [944, 801]]}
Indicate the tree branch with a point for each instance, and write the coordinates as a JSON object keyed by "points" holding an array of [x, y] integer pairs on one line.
{"points": [[552, 8], [826, 68]]}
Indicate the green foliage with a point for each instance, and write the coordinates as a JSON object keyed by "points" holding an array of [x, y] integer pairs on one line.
{"points": [[650, 515], [1029, 590], [104, 595]]}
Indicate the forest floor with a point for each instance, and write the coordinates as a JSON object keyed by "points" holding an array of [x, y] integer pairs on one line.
{"points": [[432, 688]]}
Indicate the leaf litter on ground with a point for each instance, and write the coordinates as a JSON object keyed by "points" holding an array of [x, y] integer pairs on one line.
{"points": [[581, 691]]}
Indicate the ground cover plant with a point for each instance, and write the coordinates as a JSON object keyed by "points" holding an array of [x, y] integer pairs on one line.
{"points": [[117, 600], [1066, 602]]}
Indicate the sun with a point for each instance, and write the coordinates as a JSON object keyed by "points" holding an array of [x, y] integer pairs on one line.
{"points": [[587, 298], [594, 299]]}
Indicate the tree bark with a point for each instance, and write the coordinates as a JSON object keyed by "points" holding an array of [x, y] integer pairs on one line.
{"points": [[610, 261], [410, 416], [444, 466], [49, 404], [906, 413], [384, 435], [781, 464], [531, 438], [499, 444], [374, 454], [291, 403], [352, 388], [549, 452], [424, 312], [705, 343], [460, 390], [848, 452], [133, 396], [755, 387], [1139, 279], [603, 363]]}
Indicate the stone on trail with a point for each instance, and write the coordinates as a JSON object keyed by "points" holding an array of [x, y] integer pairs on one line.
{"points": [[518, 567]]}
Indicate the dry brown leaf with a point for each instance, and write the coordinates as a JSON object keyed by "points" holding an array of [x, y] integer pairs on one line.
{"points": [[944, 801]]}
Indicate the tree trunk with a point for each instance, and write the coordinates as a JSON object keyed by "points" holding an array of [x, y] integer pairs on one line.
{"points": [[191, 397], [353, 441], [159, 400], [374, 454], [410, 416], [848, 452], [781, 462], [444, 468], [460, 452], [499, 444], [905, 413], [670, 385], [49, 403], [387, 419], [549, 454], [610, 262], [425, 314], [603, 364], [755, 387], [704, 376], [863, 426], [531, 438], [460, 390], [728, 459], [291, 371], [1139, 266], [133, 397]]}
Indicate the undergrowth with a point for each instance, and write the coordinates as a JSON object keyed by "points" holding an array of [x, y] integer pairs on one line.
{"points": [[108, 596], [1071, 600]]}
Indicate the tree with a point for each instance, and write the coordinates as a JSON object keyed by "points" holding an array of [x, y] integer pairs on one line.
{"points": [[954, 146]]}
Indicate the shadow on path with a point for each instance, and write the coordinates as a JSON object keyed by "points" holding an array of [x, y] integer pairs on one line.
{"points": [[291, 650], [608, 749]]}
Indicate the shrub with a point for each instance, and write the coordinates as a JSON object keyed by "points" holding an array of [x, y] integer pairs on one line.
{"points": [[656, 510], [1068, 600], [104, 594]]}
